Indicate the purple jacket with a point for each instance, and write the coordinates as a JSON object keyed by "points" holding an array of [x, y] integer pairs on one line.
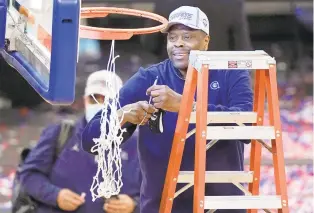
{"points": [[74, 169]]}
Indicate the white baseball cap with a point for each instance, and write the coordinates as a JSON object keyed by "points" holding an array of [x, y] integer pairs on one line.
{"points": [[189, 16], [97, 83]]}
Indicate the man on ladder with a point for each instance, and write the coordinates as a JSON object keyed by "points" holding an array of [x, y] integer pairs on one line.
{"points": [[188, 29]]}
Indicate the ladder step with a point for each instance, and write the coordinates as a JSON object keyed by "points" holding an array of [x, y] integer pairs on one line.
{"points": [[242, 202], [228, 117], [240, 132], [218, 177]]}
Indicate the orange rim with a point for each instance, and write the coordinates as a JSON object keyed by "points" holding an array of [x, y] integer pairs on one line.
{"points": [[117, 34]]}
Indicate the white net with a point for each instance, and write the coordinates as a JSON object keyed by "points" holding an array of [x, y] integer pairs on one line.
{"points": [[107, 181]]}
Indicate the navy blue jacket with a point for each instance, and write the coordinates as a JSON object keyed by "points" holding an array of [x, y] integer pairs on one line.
{"points": [[228, 91], [74, 169]]}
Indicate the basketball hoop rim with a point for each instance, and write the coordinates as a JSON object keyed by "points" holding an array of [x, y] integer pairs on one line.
{"points": [[118, 34]]}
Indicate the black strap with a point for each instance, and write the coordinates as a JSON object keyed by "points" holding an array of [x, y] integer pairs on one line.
{"points": [[66, 130]]}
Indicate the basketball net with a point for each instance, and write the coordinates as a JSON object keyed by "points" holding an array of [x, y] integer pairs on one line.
{"points": [[107, 181]]}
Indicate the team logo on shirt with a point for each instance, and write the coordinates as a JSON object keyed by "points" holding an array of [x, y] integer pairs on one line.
{"points": [[124, 155], [214, 85], [76, 148]]}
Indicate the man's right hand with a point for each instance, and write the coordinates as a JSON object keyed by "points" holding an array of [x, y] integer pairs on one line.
{"points": [[68, 200], [139, 112]]}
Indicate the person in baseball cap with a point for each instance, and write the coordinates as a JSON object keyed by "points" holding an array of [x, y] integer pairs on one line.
{"points": [[187, 29], [97, 87]]}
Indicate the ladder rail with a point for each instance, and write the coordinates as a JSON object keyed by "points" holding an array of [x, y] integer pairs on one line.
{"points": [[200, 141], [277, 147]]}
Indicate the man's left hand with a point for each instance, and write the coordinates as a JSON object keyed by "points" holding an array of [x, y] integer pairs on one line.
{"points": [[164, 98], [124, 204]]}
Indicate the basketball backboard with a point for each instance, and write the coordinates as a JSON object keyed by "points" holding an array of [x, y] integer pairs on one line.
{"points": [[39, 38]]}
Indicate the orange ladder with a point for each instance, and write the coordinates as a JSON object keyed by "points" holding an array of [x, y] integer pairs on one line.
{"points": [[265, 83]]}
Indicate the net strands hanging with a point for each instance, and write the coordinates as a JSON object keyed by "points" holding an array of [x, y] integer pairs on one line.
{"points": [[107, 181]]}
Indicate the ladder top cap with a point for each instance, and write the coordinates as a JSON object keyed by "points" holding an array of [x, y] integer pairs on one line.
{"points": [[229, 53], [230, 56], [230, 60]]}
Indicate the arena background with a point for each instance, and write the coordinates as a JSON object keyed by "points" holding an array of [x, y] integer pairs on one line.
{"points": [[283, 28]]}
